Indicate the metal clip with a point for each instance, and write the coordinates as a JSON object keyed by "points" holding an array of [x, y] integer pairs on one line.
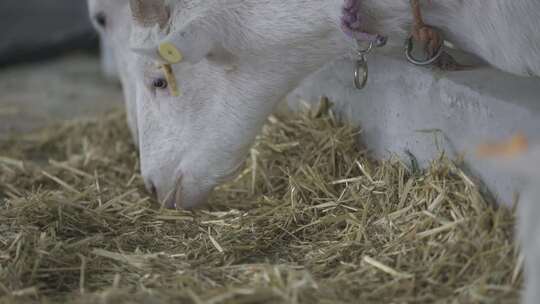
{"points": [[361, 70], [409, 46]]}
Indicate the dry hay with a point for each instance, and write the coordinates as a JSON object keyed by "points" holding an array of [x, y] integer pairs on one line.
{"points": [[311, 220]]}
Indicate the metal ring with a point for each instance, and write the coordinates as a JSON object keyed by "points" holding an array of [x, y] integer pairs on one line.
{"points": [[361, 52], [409, 45], [361, 73]]}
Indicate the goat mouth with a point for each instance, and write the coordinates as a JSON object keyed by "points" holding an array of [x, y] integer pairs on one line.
{"points": [[174, 196], [177, 193]]}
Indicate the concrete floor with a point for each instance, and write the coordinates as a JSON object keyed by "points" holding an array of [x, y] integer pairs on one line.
{"points": [[38, 94]]}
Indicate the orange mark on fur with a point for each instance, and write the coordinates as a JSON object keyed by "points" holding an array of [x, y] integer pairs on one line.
{"points": [[513, 147]]}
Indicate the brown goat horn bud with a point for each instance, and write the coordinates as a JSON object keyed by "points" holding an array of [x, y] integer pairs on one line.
{"points": [[150, 12]]}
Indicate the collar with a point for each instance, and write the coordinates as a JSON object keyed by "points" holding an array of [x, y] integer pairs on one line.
{"points": [[351, 23]]}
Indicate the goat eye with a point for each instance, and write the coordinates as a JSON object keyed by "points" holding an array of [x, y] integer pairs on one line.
{"points": [[160, 83], [101, 19]]}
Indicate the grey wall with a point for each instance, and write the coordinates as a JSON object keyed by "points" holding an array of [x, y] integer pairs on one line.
{"points": [[39, 29]]}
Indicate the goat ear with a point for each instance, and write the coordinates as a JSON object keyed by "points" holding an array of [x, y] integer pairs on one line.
{"points": [[189, 40], [148, 13]]}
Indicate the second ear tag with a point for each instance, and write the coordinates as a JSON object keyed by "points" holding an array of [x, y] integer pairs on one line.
{"points": [[171, 80], [170, 53]]}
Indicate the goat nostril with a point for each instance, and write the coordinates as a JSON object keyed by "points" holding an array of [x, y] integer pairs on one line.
{"points": [[152, 189], [101, 19]]}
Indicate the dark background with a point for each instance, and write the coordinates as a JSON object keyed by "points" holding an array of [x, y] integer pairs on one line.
{"points": [[34, 30], [50, 68]]}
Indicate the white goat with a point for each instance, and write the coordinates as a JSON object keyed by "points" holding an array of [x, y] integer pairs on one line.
{"points": [[516, 158], [243, 56], [112, 19]]}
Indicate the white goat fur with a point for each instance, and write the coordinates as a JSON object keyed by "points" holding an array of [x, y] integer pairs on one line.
{"points": [[115, 37], [529, 229], [526, 167]]}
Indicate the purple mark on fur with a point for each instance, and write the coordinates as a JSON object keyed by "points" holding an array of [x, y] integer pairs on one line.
{"points": [[351, 24]]}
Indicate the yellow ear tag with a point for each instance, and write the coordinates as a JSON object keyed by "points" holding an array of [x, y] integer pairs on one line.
{"points": [[170, 53], [171, 80]]}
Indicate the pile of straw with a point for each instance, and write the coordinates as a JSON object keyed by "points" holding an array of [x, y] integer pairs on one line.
{"points": [[312, 219]]}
